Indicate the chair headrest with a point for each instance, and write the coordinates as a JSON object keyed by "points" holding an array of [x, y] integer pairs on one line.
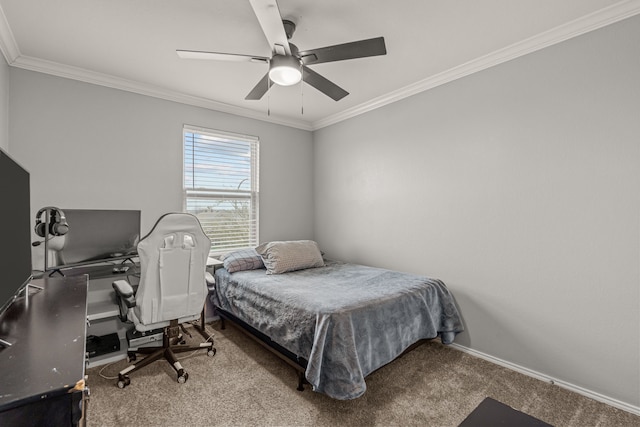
{"points": [[177, 230]]}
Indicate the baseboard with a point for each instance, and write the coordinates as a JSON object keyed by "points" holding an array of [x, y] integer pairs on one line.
{"points": [[542, 377]]}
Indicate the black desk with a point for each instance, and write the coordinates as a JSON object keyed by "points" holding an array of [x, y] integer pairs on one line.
{"points": [[42, 373], [99, 271]]}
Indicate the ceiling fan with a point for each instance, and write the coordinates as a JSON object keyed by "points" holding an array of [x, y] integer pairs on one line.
{"points": [[287, 64]]}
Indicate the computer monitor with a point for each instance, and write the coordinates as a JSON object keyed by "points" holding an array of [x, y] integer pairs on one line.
{"points": [[96, 236], [15, 230]]}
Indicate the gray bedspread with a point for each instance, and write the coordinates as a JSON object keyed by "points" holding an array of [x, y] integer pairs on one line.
{"points": [[347, 320]]}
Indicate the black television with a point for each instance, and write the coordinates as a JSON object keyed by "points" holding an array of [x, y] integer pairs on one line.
{"points": [[96, 236], [15, 230]]}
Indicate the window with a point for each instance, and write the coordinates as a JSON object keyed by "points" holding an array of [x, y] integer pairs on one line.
{"points": [[221, 186]]}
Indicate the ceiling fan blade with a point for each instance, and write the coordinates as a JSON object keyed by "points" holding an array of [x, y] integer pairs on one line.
{"points": [[325, 86], [339, 52], [259, 90], [270, 20], [216, 56]]}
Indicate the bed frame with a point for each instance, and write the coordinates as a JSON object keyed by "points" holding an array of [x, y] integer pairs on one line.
{"points": [[297, 363]]}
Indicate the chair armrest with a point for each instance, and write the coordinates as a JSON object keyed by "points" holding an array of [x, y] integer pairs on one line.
{"points": [[125, 291], [208, 277], [125, 297]]}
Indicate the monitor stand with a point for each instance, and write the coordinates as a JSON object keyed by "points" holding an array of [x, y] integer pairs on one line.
{"points": [[31, 285], [27, 294], [26, 289], [57, 270]]}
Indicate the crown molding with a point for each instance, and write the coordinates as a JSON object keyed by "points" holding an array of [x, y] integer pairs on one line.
{"points": [[87, 76], [609, 15], [8, 44], [601, 18], [14, 58]]}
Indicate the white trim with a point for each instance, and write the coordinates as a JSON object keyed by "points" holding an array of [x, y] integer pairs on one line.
{"points": [[100, 79], [546, 378], [585, 24], [606, 16], [8, 44], [220, 133]]}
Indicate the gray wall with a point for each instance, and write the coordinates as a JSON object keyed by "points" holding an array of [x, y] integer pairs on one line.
{"points": [[519, 187], [4, 104], [91, 147]]}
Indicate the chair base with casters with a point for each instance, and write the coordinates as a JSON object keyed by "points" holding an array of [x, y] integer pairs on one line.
{"points": [[172, 344]]}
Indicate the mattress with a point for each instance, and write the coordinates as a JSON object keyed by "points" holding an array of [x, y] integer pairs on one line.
{"points": [[346, 320]]}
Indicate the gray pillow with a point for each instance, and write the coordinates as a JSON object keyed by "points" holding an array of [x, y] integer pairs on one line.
{"points": [[280, 257], [243, 259]]}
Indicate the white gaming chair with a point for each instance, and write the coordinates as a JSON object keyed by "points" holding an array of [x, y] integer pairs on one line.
{"points": [[172, 289]]}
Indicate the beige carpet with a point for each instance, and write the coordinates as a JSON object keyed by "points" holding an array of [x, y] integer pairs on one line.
{"points": [[245, 385]]}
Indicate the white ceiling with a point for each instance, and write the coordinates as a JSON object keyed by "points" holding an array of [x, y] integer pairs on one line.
{"points": [[130, 45]]}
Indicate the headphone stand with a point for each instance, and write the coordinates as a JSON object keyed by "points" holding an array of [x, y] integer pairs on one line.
{"points": [[47, 214], [55, 224], [47, 222]]}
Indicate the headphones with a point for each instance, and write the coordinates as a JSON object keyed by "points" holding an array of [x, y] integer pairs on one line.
{"points": [[57, 223]]}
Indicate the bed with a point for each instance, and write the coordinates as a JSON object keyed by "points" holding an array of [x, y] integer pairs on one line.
{"points": [[336, 322]]}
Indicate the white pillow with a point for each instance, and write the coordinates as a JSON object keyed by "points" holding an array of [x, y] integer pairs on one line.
{"points": [[280, 257]]}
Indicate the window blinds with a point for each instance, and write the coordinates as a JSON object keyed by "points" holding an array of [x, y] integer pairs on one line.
{"points": [[221, 186]]}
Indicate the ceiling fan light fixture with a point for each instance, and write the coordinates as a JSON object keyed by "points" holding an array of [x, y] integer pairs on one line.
{"points": [[285, 70]]}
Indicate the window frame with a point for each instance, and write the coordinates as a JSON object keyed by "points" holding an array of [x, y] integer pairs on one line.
{"points": [[248, 198]]}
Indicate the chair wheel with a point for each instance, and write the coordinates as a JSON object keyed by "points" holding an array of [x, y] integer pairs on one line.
{"points": [[211, 352], [183, 378], [131, 356], [123, 381]]}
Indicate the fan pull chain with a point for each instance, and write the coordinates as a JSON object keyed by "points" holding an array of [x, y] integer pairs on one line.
{"points": [[301, 91], [268, 97]]}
